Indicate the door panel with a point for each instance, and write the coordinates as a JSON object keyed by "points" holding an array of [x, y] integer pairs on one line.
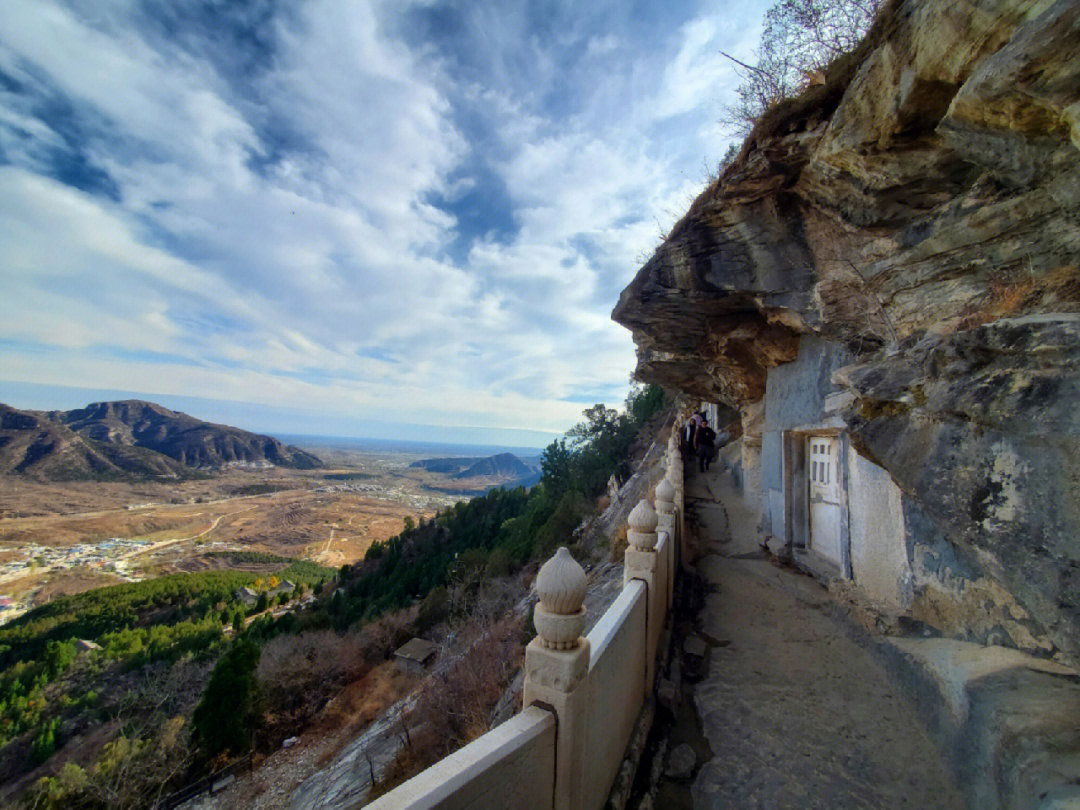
{"points": [[823, 474]]}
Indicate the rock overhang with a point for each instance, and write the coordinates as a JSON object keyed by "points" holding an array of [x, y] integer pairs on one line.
{"points": [[926, 215]]}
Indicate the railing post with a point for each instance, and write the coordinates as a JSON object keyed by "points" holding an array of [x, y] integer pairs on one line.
{"points": [[641, 562], [675, 475], [665, 510], [556, 665]]}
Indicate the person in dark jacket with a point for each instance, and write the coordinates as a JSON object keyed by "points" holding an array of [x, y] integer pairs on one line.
{"points": [[686, 439], [704, 445]]}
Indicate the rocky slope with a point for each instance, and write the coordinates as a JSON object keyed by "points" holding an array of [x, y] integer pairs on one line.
{"points": [[35, 445], [920, 214], [131, 437]]}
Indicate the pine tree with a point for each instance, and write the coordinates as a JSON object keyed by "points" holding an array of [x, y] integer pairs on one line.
{"points": [[224, 718]]}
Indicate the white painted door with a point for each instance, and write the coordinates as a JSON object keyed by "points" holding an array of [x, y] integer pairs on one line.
{"points": [[823, 463]]}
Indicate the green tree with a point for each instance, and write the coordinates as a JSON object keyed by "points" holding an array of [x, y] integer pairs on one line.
{"points": [[645, 401], [45, 742], [555, 467], [499, 563], [599, 422], [224, 718], [58, 657]]}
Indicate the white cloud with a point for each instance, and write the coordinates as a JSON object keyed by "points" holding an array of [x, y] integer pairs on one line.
{"points": [[275, 239]]}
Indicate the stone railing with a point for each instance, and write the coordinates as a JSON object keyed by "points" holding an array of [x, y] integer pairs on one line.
{"points": [[582, 696]]}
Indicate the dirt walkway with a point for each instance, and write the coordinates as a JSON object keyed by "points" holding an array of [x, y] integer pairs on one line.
{"points": [[796, 711]]}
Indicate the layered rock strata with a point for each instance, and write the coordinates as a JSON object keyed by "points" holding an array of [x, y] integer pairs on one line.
{"points": [[916, 221]]}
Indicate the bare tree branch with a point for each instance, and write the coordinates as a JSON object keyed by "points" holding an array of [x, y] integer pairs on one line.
{"points": [[742, 64], [799, 37]]}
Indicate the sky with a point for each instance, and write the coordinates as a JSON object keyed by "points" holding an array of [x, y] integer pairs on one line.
{"points": [[346, 218]]}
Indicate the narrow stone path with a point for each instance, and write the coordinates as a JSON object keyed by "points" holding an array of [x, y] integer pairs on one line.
{"points": [[796, 711]]}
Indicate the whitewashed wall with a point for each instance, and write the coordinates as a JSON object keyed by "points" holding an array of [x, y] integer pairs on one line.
{"points": [[616, 690], [879, 561], [511, 767]]}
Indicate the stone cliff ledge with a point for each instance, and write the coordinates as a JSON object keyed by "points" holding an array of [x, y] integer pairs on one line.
{"points": [[888, 276]]}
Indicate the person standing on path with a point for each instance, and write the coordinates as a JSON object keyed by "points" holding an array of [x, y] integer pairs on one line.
{"points": [[686, 445], [704, 440]]}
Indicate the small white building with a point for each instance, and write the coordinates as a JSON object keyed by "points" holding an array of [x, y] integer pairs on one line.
{"points": [[834, 510]]}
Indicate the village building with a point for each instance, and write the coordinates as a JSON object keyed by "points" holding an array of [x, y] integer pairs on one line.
{"points": [[285, 586]]}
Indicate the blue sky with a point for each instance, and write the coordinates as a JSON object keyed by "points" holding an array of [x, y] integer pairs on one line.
{"points": [[345, 218]]}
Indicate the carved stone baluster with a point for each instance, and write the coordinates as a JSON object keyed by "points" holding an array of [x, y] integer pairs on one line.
{"points": [[665, 499], [559, 617], [665, 508], [673, 442], [556, 665], [641, 527], [643, 563], [675, 476]]}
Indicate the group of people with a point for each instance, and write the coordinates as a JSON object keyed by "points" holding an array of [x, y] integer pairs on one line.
{"points": [[700, 440]]}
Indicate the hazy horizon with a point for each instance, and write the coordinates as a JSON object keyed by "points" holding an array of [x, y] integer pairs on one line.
{"points": [[268, 420]]}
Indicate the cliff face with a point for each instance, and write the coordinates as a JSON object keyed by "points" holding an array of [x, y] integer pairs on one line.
{"points": [[919, 218]]}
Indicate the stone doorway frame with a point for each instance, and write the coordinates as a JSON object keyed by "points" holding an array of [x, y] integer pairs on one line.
{"points": [[796, 485]]}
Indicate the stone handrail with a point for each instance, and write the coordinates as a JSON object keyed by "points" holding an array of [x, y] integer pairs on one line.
{"points": [[582, 696], [511, 766]]}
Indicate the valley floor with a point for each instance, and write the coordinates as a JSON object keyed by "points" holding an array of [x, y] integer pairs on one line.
{"points": [[63, 538]]}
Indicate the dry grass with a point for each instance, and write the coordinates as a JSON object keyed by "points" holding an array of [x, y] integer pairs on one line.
{"points": [[618, 543], [363, 700], [64, 530], [358, 704], [1016, 294], [325, 680], [75, 580], [455, 705]]}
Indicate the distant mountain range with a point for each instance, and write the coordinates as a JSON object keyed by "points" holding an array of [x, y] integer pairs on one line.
{"points": [[131, 438], [505, 467]]}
